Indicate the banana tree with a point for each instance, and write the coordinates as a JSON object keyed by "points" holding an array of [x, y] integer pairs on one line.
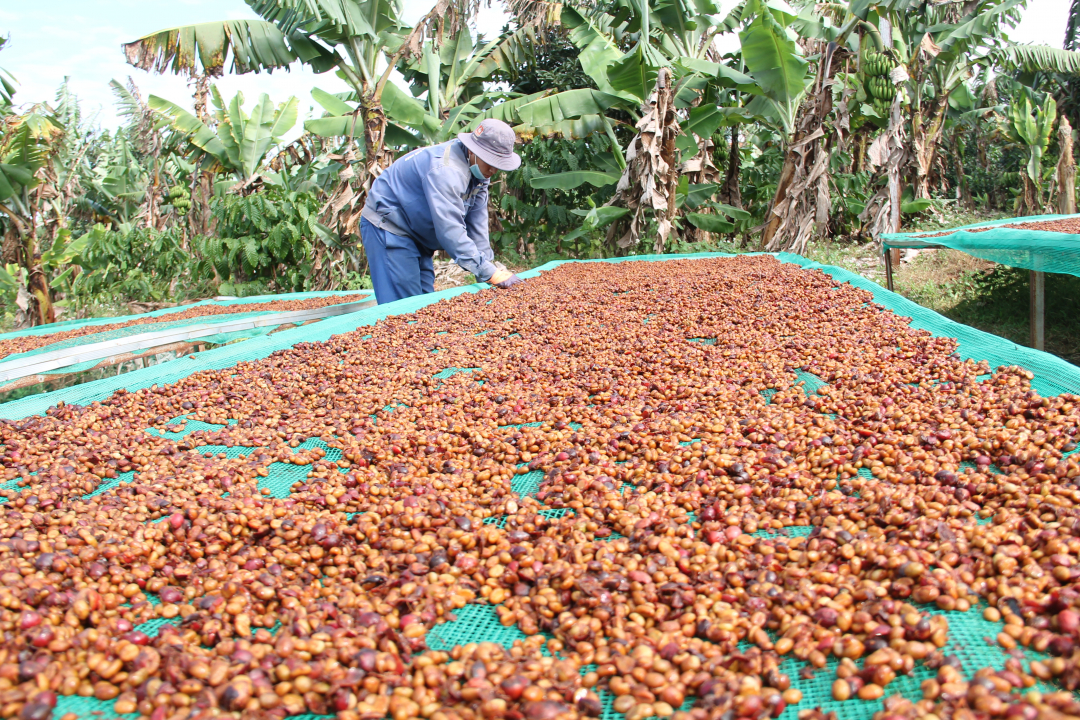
{"points": [[33, 224], [131, 179], [776, 63], [237, 143], [625, 47], [681, 37], [1066, 169], [935, 50], [940, 51], [452, 70], [1032, 132], [362, 40], [116, 186], [450, 73]]}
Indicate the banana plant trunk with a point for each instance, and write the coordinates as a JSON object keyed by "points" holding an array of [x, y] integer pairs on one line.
{"points": [[787, 175], [39, 288], [925, 136], [377, 157], [1066, 169], [962, 186], [200, 219], [346, 202], [20, 248], [698, 170], [802, 202], [730, 192], [888, 154], [648, 184], [41, 311], [1030, 199]]}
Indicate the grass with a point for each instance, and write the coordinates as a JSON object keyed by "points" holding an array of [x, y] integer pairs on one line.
{"points": [[994, 298], [862, 259]]}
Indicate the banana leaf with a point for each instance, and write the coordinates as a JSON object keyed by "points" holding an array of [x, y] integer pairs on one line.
{"points": [[710, 223], [773, 59], [554, 109], [255, 45], [13, 178], [573, 179], [198, 133], [604, 216]]}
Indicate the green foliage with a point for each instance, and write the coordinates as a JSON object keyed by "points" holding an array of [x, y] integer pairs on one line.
{"points": [[573, 179], [574, 92], [775, 63], [711, 223], [713, 245], [12, 277], [268, 237], [554, 67], [543, 202], [1033, 131], [997, 299], [238, 141], [139, 264]]}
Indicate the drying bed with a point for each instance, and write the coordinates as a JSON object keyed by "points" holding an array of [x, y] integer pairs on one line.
{"points": [[63, 335], [1044, 243], [822, 501]]}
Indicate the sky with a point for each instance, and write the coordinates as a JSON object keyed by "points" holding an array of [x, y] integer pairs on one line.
{"points": [[81, 39]]}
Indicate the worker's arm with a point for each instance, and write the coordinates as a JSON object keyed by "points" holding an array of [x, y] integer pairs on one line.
{"points": [[444, 187], [476, 224]]}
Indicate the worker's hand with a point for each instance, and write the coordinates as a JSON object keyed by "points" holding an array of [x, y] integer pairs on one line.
{"points": [[504, 279], [509, 282]]}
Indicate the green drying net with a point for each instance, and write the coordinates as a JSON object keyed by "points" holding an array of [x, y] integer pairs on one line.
{"points": [[1053, 252]]}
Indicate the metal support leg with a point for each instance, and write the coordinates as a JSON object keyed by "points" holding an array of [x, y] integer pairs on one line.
{"points": [[1037, 284], [888, 269]]}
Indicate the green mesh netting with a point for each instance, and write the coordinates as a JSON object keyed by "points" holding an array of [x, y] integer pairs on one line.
{"points": [[223, 357], [1053, 252], [88, 707], [1053, 375], [971, 640], [473, 623]]}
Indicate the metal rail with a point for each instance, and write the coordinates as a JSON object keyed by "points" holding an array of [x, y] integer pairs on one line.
{"points": [[46, 361]]}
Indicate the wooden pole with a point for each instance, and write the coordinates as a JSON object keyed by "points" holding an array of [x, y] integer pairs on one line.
{"points": [[888, 269], [1037, 284]]}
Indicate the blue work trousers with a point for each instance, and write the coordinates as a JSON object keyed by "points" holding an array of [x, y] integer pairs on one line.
{"points": [[399, 267]]}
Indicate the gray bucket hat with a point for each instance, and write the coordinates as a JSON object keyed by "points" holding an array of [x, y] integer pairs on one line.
{"points": [[493, 142]]}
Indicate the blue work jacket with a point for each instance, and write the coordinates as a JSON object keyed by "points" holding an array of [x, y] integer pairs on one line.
{"points": [[431, 196]]}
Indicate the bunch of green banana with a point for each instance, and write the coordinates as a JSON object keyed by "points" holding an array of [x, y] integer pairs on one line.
{"points": [[877, 64], [179, 199], [880, 88]]}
